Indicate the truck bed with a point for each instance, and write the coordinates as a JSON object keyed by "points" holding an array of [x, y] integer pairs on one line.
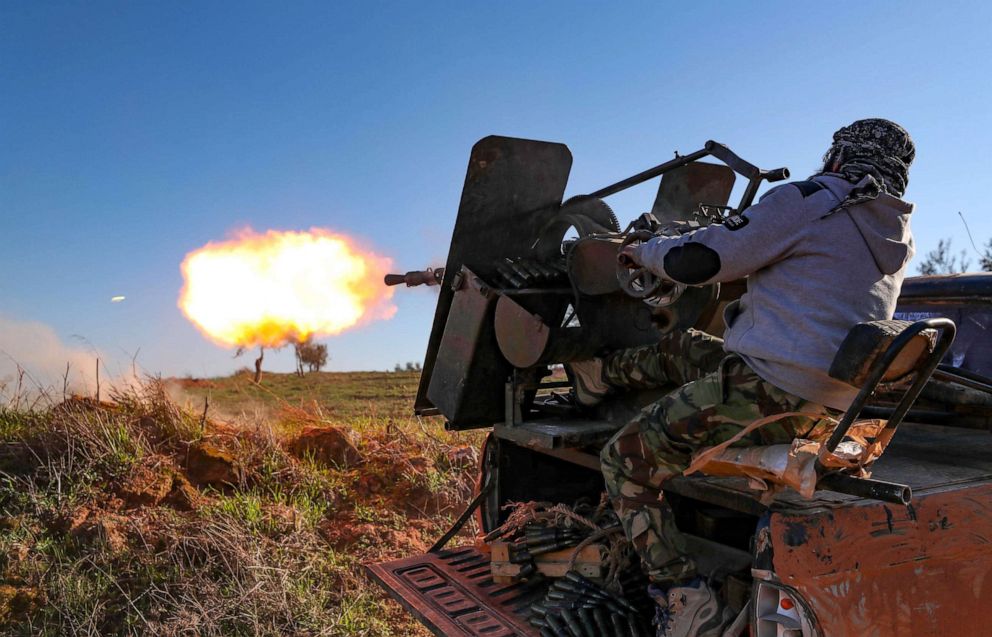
{"points": [[452, 592], [928, 458]]}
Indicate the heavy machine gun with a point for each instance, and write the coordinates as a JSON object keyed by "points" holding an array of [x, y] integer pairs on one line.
{"points": [[542, 285], [533, 281]]}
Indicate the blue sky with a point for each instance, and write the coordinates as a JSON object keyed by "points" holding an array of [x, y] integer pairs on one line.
{"points": [[132, 133]]}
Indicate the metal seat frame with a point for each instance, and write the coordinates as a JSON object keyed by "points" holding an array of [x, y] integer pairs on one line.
{"points": [[877, 489]]}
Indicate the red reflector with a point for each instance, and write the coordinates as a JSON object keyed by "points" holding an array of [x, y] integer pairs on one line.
{"points": [[787, 604]]}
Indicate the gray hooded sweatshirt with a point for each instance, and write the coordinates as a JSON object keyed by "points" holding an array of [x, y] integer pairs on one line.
{"points": [[813, 272]]}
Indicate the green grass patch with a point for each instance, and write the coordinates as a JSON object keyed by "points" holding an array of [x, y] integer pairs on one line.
{"points": [[278, 553]]}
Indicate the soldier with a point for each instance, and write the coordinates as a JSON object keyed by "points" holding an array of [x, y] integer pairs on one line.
{"points": [[820, 256]]}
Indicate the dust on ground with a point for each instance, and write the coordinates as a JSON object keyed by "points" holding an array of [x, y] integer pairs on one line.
{"points": [[216, 506]]}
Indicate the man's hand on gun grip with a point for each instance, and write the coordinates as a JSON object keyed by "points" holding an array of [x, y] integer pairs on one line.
{"points": [[627, 257]]}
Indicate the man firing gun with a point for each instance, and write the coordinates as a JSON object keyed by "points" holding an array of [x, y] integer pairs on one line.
{"points": [[820, 256]]}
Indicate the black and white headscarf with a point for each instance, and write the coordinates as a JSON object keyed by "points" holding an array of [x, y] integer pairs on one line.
{"points": [[876, 148]]}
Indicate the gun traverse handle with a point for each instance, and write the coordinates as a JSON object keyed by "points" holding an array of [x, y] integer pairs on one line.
{"points": [[749, 170], [729, 157], [776, 174]]}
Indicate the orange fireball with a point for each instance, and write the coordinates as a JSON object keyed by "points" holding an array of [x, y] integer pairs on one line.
{"points": [[274, 288]]}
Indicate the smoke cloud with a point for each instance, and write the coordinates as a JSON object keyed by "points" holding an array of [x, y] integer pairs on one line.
{"points": [[33, 355]]}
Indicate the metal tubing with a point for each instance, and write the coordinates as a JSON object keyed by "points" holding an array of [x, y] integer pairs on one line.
{"points": [[749, 194], [463, 518], [925, 416], [729, 157], [777, 174], [867, 488], [963, 377], [650, 173], [534, 291], [753, 174], [745, 168]]}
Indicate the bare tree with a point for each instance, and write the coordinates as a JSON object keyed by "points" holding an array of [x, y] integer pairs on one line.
{"points": [[258, 365], [985, 261], [309, 355], [941, 261], [258, 362], [298, 352]]}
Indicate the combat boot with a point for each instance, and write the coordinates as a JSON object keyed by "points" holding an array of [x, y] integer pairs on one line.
{"points": [[590, 388], [690, 610]]}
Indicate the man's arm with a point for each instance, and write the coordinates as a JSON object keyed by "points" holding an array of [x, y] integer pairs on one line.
{"points": [[765, 233]]}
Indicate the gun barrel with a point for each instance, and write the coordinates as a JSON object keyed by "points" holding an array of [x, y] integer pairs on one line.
{"points": [[416, 277]]}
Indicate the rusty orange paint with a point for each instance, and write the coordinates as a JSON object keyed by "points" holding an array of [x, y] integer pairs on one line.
{"points": [[881, 569]]}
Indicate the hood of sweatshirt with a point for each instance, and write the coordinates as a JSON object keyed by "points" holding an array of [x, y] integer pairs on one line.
{"points": [[882, 222]]}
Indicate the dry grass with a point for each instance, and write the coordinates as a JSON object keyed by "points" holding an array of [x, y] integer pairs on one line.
{"points": [[101, 533]]}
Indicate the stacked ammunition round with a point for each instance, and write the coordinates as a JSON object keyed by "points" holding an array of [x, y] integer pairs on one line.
{"points": [[521, 272], [634, 587], [575, 606], [537, 540]]}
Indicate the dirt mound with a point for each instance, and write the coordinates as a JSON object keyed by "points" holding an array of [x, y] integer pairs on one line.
{"points": [[148, 483], [17, 602], [95, 527], [381, 537], [157, 481], [183, 496], [327, 446], [209, 465], [139, 513]]}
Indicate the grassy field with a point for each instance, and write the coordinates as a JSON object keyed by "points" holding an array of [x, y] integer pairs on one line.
{"points": [[219, 507], [354, 397]]}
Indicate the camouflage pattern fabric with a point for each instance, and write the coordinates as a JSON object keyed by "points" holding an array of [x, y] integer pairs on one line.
{"points": [[680, 357], [877, 148], [719, 396]]}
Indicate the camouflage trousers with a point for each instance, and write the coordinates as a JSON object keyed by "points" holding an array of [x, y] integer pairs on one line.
{"points": [[718, 395]]}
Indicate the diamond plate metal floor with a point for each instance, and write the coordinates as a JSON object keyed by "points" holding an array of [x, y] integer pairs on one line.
{"points": [[453, 594]]}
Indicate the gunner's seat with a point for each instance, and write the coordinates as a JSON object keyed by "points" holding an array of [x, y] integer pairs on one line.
{"points": [[897, 356]]}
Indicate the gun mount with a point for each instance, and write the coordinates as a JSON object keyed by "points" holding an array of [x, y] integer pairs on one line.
{"points": [[533, 280]]}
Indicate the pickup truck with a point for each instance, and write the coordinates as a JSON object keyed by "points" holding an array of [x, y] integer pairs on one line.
{"points": [[832, 565]]}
